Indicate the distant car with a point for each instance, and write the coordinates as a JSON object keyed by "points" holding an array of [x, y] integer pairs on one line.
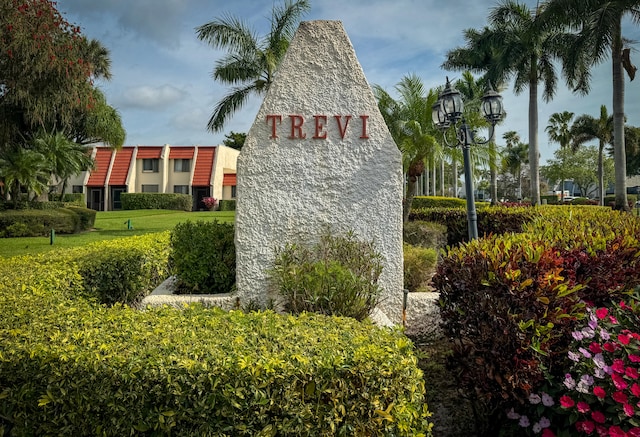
{"points": [[568, 198]]}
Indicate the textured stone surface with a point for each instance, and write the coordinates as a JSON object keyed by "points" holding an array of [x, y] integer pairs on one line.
{"points": [[293, 189]]}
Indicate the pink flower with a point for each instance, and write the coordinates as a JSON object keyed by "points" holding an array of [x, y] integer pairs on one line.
{"points": [[586, 426], [635, 389], [628, 410], [595, 348], [601, 313], [613, 320], [547, 433], [609, 347], [602, 431], [619, 382], [634, 358], [599, 392], [616, 431], [583, 407], [618, 365], [624, 338], [620, 397], [597, 416], [634, 432], [566, 402], [631, 372]]}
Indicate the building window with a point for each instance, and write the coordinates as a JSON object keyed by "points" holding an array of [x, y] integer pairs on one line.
{"points": [[182, 165], [181, 189], [149, 188], [233, 192], [151, 165], [77, 189]]}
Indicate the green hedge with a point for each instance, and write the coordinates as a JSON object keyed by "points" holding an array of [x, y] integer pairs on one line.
{"points": [[227, 205], [490, 220], [39, 222], [69, 366], [437, 202], [180, 202]]}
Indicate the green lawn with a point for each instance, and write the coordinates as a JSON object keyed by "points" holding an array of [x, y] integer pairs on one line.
{"points": [[111, 224]]}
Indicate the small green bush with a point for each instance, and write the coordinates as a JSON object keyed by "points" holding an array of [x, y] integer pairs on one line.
{"points": [[75, 199], [437, 202], [86, 216], [203, 257], [179, 202], [337, 276], [425, 234], [123, 270], [227, 205], [419, 266]]}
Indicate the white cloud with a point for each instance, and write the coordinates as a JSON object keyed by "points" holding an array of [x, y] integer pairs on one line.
{"points": [[149, 97]]}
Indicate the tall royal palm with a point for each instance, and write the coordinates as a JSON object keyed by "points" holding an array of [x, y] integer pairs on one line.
{"points": [[600, 35], [559, 131], [586, 128], [251, 61], [518, 44]]}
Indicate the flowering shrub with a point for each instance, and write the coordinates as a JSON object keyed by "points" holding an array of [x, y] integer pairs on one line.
{"points": [[600, 394], [210, 202]]}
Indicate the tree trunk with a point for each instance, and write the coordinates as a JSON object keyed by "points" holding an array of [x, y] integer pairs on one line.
{"points": [[493, 169], [442, 193], [434, 183], [534, 152], [454, 163], [619, 156], [413, 173], [601, 174]]}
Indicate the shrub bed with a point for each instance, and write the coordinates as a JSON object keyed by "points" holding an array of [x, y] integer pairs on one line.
{"points": [[71, 367], [180, 202], [510, 302]]}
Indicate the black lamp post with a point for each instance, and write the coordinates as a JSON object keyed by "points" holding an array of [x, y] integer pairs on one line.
{"points": [[447, 112]]}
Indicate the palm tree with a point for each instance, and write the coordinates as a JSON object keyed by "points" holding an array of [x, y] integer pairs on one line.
{"points": [[410, 125], [586, 128], [515, 155], [65, 158], [23, 169], [519, 44], [600, 35], [559, 131], [251, 62]]}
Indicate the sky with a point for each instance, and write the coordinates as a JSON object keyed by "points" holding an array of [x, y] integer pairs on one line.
{"points": [[163, 88]]}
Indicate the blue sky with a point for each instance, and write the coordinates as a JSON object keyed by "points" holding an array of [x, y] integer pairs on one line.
{"points": [[162, 84]]}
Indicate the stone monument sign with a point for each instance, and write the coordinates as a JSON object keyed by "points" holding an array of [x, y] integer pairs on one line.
{"points": [[318, 156]]}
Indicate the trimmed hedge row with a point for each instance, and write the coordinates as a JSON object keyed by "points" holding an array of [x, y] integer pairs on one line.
{"points": [[180, 202], [420, 202], [491, 220], [226, 205], [39, 222], [69, 366], [510, 302]]}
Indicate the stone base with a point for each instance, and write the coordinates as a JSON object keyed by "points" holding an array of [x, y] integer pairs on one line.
{"points": [[422, 313]]}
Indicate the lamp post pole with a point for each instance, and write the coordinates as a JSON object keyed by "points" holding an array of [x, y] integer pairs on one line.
{"points": [[466, 135], [447, 112]]}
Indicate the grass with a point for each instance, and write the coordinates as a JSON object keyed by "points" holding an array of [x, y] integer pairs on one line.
{"points": [[109, 225]]}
